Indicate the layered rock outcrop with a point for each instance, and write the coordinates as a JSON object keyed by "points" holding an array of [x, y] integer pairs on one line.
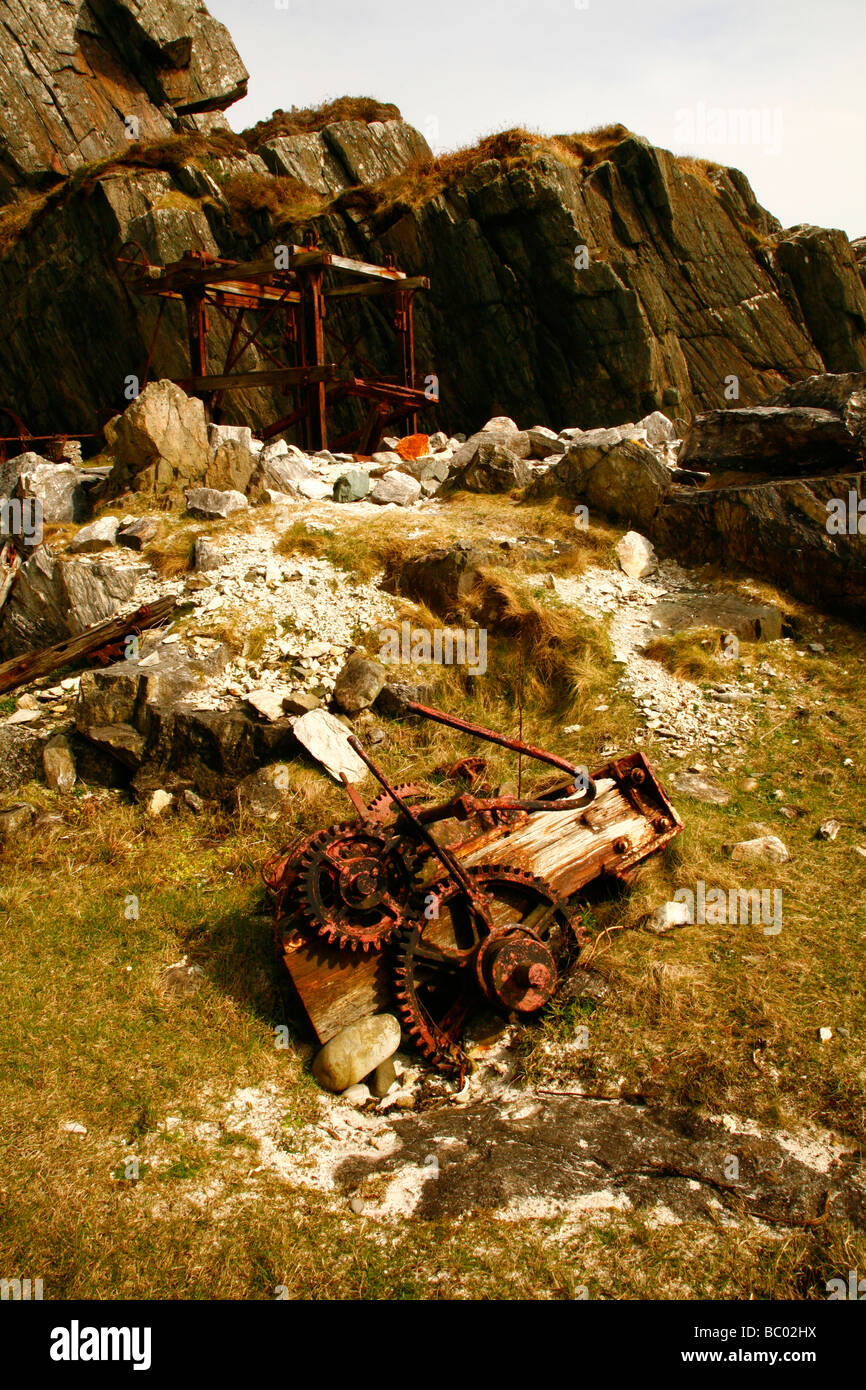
{"points": [[816, 426], [573, 280], [782, 530], [82, 78], [783, 494]]}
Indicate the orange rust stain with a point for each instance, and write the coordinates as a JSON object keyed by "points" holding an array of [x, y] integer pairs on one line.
{"points": [[414, 446]]}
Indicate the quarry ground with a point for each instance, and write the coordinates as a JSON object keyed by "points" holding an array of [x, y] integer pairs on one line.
{"points": [[156, 1143]]}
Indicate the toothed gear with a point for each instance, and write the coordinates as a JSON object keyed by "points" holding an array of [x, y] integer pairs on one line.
{"points": [[353, 884], [382, 806], [447, 962], [279, 870]]}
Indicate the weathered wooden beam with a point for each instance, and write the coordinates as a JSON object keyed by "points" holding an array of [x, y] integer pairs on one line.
{"points": [[570, 848], [336, 987], [23, 669], [279, 376], [379, 391], [180, 275], [375, 272], [414, 282], [303, 260]]}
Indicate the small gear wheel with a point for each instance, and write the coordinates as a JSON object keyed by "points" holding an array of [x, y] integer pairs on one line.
{"points": [[449, 962], [382, 806], [354, 883]]}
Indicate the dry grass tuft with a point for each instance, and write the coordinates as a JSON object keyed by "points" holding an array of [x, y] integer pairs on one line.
{"points": [[173, 556], [704, 170], [284, 199], [695, 655], [300, 539], [361, 551], [555, 653], [514, 148]]}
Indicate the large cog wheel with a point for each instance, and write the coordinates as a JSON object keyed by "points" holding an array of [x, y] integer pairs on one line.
{"points": [[353, 884], [448, 963]]}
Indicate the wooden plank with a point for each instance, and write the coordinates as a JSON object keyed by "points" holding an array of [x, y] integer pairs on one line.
{"points": [[23, 669], [303, 259], [570, 848], [179, 275], [337, 987], [278, 376], [415, 282], [375, 272]]}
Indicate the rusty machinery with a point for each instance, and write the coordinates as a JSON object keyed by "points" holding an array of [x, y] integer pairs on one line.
{"points": [[453, 936], [295, 295], [21, 439]]}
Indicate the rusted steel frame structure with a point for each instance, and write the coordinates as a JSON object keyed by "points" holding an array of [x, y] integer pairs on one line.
{"points": [[299, 293]]}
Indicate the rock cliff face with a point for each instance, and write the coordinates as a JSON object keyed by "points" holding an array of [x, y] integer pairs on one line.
{"points": [[687, 285], [576, 280], [80, 80]]}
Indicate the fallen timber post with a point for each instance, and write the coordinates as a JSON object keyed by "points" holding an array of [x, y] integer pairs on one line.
{"points": [[29, 667]]}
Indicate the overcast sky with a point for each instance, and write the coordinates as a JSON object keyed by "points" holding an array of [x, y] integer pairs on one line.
{"points": [[681, 72]]}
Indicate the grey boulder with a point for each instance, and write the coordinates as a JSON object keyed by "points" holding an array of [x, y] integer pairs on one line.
{"points": [[359, 683], [396, 487], [99, 535], [209, 502], [352, 485], [493, 466], [58, 487], [160, 442]]}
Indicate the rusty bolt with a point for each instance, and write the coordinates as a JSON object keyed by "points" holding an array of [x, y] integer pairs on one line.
{"points": [[620, 846], [637, 776]]}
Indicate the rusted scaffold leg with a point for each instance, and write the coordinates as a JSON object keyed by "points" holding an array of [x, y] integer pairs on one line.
{"points": [[313, 352], [404, 322], [197, 326]]}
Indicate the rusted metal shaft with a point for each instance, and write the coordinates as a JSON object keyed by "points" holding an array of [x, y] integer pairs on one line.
{"points": [[442, 853], [513, 743]]}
